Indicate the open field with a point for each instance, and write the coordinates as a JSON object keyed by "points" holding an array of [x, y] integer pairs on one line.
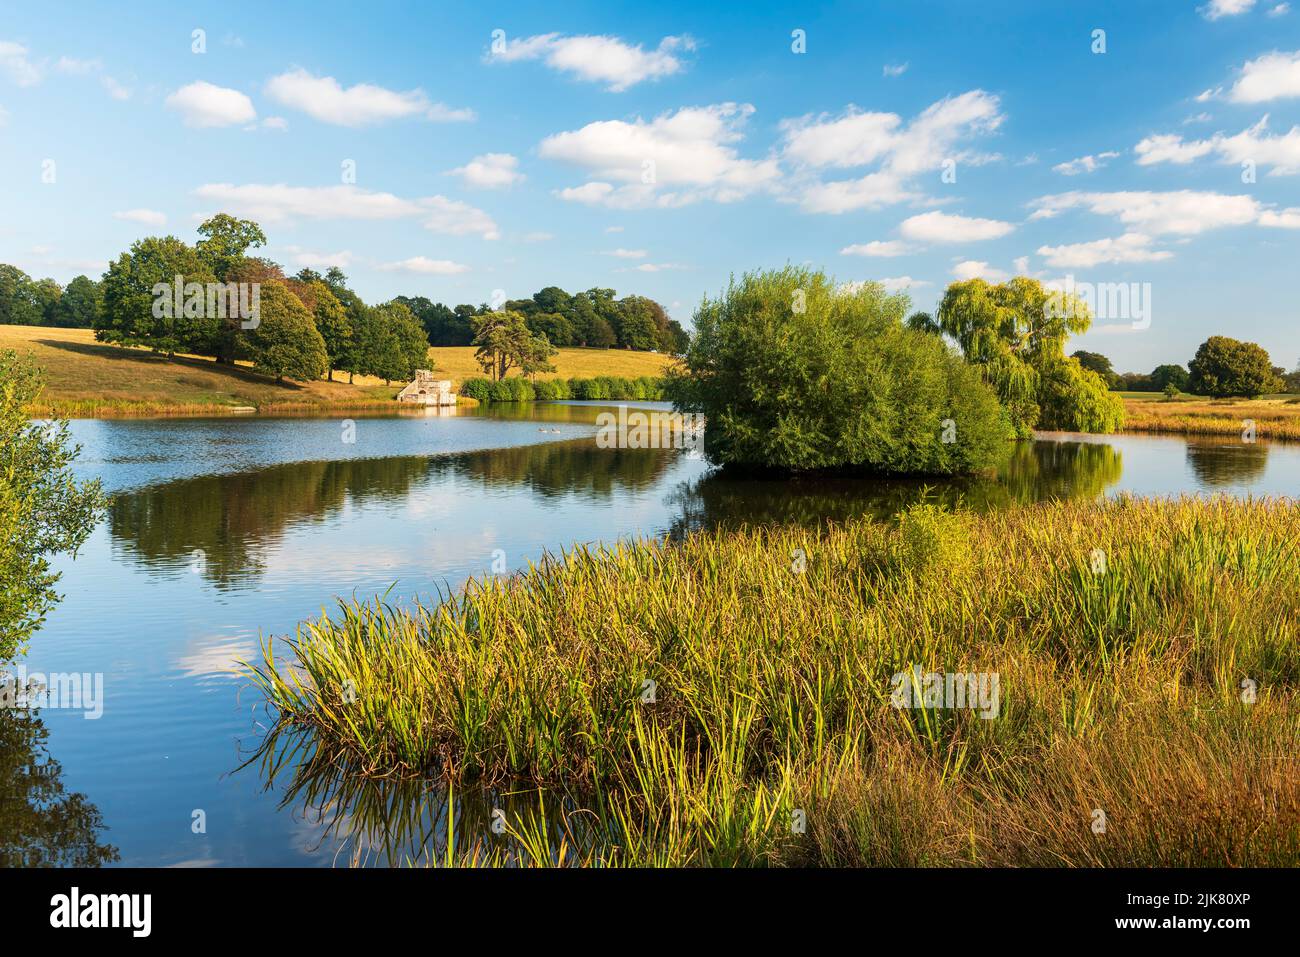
{"points": [[457, 363], [716, 702], [88, 378], [1275, 417]]}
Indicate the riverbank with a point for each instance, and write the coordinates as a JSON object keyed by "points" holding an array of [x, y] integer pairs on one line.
{"points": [[89, 379], [1273, 417], [741, 698]]}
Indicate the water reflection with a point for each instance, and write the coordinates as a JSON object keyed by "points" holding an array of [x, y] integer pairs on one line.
{"points": [[1220, 463], [1031, 472], [223, 526], [41, 823], [364, 821]]}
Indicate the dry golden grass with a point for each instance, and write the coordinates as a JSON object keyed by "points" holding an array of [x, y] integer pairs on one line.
{"points": [[1274, 417], [457, 363], [89, 378]]}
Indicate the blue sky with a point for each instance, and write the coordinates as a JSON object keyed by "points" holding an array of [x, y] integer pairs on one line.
{"points": [[658, 148]]}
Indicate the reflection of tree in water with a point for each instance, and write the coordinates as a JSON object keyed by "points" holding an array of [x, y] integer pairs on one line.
{"points": [[1216, 464], [557, 468], [41, 824], [403, 821], [1031, 472], [231, 517]]}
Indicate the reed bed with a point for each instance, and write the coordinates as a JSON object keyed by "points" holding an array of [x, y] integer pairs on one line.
{"points": [[726, 700], [1273, 418]]}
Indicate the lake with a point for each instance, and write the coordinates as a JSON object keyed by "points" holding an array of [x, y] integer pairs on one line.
{"points": [[224, 530]]}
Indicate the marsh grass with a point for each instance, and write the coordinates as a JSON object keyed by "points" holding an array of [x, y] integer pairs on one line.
{"points": [[1120, 692]]}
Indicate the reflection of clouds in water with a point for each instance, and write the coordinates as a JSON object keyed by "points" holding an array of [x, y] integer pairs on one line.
{"points": [[217, 659]]}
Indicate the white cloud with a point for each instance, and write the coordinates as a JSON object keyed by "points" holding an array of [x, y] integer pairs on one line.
{"points": [[1084, 164], [1217, 9], [658, 267], [1273, 76], [76, 67], [114, 89], [878, 248], [1181, 212], [976, 269], [901, 152], [15, 64], [895, 284], [325, 99], [318, 260], [674, 159], [426, 266], [1281, 10], [940, 227], [490, 171], [1254, 144], [203, 104], [599, 59], [895, 69], [149, 217], [279, 202], [613, 229], [628, 253], [275, 123], [538, 237], [1022, 265], [1281, 219], [1128, 248]]}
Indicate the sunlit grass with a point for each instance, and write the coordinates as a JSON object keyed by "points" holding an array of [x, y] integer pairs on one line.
{"points": [[771, 653], [1274, 417]]}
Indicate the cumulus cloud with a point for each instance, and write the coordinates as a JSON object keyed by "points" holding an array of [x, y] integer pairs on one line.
{"points": [[319, 260], [279, 202], [203, 104], [490, 171], [425, 266], [627, 253], [977, 269], [1217, 9], [1180, 212], [364, 104], [940, 227], [675, 159], [149, 217], [1273, 76], [1281, 154], [598, 59], [1084, 164], [900, 151], [15, 64], [1128, 248], [1281, 219], [880, 248], [895, 284]]}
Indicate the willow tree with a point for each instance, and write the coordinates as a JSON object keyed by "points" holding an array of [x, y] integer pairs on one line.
{"points": [[1015, 334]]}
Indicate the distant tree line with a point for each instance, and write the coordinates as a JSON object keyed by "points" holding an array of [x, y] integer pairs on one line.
{"points": [[594, 319], [1223, 367], [25, 301]]}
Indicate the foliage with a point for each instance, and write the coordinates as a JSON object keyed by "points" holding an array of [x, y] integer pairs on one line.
{"points": [[1098, 363], [794, 372], [519, 389], [285, 342], [44, 511], [505, 342], [772, 691], [128, 317], [1015, 332], [1072, 398], [1230, 367]]}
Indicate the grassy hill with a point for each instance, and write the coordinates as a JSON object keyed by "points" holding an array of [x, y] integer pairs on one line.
{"points": [[87, 378]]}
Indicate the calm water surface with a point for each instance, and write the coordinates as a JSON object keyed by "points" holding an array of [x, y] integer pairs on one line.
{"points": [[222, 531]]}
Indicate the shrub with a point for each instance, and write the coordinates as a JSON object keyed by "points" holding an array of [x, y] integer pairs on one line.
{"points": [[477, 388], [932, 538], [795, 372]]}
